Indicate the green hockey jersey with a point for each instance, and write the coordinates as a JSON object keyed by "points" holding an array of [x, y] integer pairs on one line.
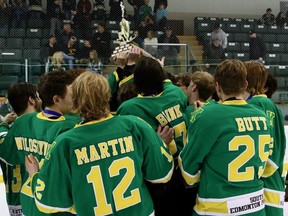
{"points": [[227, 152], [274, 179], [31, 133], [99, 168], [166, 108]]}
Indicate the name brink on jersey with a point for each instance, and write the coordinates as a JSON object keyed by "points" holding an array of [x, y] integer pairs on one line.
{"points": [[104, 150]]}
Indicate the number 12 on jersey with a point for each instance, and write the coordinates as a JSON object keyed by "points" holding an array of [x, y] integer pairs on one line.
{"points": [[95, 178]]}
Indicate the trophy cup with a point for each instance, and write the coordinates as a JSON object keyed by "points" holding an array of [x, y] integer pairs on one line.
{"points": [[124, 39]]}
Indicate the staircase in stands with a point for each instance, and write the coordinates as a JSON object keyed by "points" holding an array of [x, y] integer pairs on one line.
{"points": [[196, 48]]}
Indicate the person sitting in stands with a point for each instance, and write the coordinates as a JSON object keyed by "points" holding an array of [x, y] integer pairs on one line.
{"points": [[268, 18]]}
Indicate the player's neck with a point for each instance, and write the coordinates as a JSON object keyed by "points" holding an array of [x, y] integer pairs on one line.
{"points": [[52, 111]]}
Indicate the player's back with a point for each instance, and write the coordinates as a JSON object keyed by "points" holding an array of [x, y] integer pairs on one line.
{"points": [[167, 108], [108, 161], [31, 133], [274, 181], [237, 147]]}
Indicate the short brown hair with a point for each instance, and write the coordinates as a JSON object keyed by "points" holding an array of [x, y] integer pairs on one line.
{"points": [[205, 84], [256, 77], [91, 94], [53, 83], [231, 76]]}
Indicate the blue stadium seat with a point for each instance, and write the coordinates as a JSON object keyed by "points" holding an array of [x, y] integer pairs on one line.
{"points": [[17, 33], [241, 37], [277, 47], [272, 58], [14, 43], [269, 38], [34, 33], [241, 56], [245, 47]]}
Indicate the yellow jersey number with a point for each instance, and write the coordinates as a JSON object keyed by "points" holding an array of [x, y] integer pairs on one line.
{"points": [[95, 178], [234, 175]]}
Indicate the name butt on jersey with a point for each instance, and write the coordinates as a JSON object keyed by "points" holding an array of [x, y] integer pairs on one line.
{"points": [[251, 124], [104, 150]]}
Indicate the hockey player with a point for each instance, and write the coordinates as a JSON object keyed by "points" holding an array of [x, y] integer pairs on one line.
{"points": [[34, 132], [23, 98], [106, 158], [227, 150], [274, 179]]}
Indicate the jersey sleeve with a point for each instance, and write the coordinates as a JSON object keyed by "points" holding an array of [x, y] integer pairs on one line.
{"points": [[52, 185], [277, 145], [113, 80], [193, 154], [8, 147], [158, 161]]}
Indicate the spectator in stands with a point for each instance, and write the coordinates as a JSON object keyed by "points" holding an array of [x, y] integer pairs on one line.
{"points": [[161, 16], [157, 3], [257, 47], [268, 18], [281, 19], [5, 15], [213, 54], [115, 10], [94, 64], [138, 41], [84, 51], [57, 61], [54, 13], [20, 13], [136, 4], [170, 52], [146, 25], [99, 12], [65, 34], [82, 18], [148, 41], [145, 10], [68, 6], [71, 50], [101, 43], [219, 34], [49, 49], [35, 9]]}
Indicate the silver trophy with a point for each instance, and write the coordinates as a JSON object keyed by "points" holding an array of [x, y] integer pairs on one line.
{"points": [[124, 39]]}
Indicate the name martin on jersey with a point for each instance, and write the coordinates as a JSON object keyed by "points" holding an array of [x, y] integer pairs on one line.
{"points": [[104, 150]]}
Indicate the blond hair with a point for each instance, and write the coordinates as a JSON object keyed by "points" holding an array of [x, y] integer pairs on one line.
{"points": [[91, 94], [57, 59], [204, 82], [256, 77]]}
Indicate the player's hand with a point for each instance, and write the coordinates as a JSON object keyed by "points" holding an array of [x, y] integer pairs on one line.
{"points": [[134, 54], [121, 59], [32, 165], [9, 118], [197, 104], [166, 133]]}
